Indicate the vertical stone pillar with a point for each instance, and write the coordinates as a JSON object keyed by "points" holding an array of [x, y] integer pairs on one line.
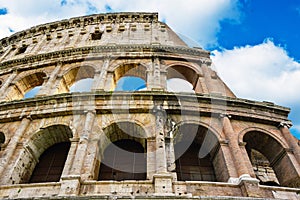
{"points": [[99, 79], [48, 85], [162, 179], [290, 139], [154, 77], [71, 182], [170, 152], [7, 83], [109, 81], [151, 157], [160, 119], [237, 156], [83, 143], [249, 186], [11, 147]]}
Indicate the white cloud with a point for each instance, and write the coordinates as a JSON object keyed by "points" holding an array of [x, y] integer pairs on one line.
{"points": [[261, 72], [199, 20]]}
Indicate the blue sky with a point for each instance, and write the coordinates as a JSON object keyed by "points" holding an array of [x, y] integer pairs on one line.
{"points": [[254, 43]]}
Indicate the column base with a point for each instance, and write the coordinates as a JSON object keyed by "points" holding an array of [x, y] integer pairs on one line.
{"points": [[70, 186], [249, 186], [163, 184]]}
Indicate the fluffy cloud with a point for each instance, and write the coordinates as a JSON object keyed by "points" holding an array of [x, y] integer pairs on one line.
{"points": [[199, 20], [262, 72]]}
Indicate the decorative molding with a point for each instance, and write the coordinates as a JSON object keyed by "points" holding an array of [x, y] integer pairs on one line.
{"points": [[80, 22], [83, 52], [287, 124]]}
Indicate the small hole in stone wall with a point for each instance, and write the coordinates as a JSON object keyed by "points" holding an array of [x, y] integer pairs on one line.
{"points": [[96, 36], [21, 50]]}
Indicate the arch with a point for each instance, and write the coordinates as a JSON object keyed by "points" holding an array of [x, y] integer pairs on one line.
{"points": [[132, 70], [193, 66], [119, 130], [123, 160], [183, 71], [51, 163], [249, 129], [25, 85], [265, 152], [74, 75], [34, 148], [195, 148], [123, 142], [200, 123]]}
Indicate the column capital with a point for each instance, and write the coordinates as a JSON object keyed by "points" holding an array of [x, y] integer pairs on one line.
{"points": [[287, 124], [158, 110]]}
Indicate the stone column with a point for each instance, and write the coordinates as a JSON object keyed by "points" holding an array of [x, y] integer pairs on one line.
{"points": [[109, 81], [290, 139], [249, 186], [83, 143], [153, 77], [7, 83], [234, 147], [160, 119], [162, 179], [11, 147], [48, 85], [99, 79], [71, 182], [170, 152]]}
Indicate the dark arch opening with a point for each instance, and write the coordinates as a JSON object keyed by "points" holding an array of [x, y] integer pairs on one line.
{"points": [[51, 164], [123, 160], [2, 139], [269, 159], [195, 147]]}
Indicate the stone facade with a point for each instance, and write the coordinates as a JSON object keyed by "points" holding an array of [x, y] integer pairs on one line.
{"points": [[237, 148]]}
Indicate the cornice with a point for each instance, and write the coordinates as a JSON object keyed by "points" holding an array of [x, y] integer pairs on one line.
{"points": [[108, 102], [80, 22], [114, 51]]}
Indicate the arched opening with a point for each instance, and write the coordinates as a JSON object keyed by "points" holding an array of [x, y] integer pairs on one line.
{"points": [[79, 79], [181, 79], [49, 144], [27, 87], [195, 149], [130, 83], [31, 93], [51, 164], [270, 160], [83, 85], [130, 77], [2, 140], [123, 153], [179, 85], [123, 160]]}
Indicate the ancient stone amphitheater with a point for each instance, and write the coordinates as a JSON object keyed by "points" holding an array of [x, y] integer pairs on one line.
{"points": [[108, 141]]}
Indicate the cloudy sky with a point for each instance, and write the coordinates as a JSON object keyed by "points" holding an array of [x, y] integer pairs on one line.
{"points": [[255, 44]]}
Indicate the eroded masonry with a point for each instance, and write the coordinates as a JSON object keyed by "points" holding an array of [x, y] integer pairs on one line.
{"points": [[87, 110]]}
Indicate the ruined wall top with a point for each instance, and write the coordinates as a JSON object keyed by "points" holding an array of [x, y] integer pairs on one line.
{"points": [[92, 30]]}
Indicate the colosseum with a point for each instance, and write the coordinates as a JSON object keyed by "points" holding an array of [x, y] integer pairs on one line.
{"points": [[73, 125]]}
